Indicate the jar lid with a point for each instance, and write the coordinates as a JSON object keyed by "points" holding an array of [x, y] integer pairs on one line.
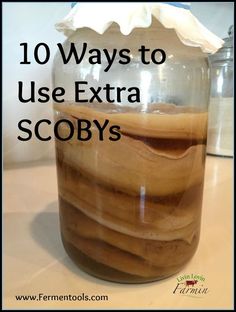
{"points": [[229, 40], [226, 52], [175, 15]]}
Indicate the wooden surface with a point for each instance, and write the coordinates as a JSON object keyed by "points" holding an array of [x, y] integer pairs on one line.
{"points": [[35, 261]]}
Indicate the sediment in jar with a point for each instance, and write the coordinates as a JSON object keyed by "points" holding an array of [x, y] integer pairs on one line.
{"points": [[133, 205]]}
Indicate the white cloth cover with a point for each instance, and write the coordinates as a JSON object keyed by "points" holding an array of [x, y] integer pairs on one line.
{"points": [[99, 16]]}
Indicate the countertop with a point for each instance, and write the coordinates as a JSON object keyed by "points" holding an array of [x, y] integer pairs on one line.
{"points": [[35, 261]]}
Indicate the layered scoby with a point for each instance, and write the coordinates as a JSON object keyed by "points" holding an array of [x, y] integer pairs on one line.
{"points": [[130, 209]]}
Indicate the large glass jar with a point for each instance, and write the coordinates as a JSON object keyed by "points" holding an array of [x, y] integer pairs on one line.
{"points": [[221, 108], [130, 209]]}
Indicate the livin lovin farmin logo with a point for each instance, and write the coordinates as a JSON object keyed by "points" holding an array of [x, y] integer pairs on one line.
{"points": [[191, 285]]}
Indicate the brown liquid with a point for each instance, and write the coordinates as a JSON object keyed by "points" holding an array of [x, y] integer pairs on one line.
{"points": [[130, 210]]}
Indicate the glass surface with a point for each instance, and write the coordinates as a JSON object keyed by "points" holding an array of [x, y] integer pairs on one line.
{"points": [[130, 210], [220, 128]]}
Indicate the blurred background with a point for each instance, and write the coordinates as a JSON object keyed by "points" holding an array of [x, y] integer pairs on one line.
{"points": [[34, 23]]}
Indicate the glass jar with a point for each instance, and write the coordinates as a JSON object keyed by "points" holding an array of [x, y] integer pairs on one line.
{"points": [[130, 209], [220, 128]]}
